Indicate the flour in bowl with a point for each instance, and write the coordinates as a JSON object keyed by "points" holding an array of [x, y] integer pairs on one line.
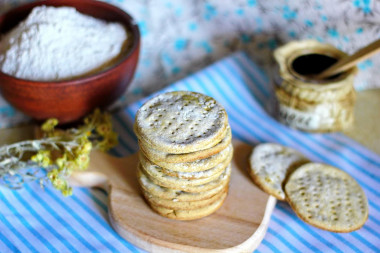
{"points": [[59, 44]]}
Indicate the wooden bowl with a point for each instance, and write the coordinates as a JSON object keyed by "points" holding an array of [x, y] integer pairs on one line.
{"points": [[70, 100]]}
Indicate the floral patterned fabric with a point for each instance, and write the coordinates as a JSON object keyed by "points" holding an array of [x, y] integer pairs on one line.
{"points": [[182, 36]]}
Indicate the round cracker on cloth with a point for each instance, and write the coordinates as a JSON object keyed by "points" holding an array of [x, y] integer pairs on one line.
{"points": [[327, 197]]}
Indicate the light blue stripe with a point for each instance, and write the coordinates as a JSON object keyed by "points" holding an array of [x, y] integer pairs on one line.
{"points": [[376, 221], [286, 212], [8, 243], [106, 226], [238, 66], [264, 117], [284, 241], [85, 224], [364, 241], [44, 223], [300, 238], [227, 99], [132, 149], [256, 80], [27, 225], [357, 146], [76, 217], [270, 246], [263, 75], [259, 96], [353, 150], [125, 145], [17, 233], [66, 225], [349, 161], [126, 127], [90, 195]]}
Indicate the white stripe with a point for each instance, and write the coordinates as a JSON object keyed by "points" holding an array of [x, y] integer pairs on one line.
{"points": [[253, 68], [287, 236], [126, 137], [16, 222], [260, 96], [69, 218], [33, 221], [363, 150], [96, 225], [4, 248], [54, 222], [276, 242], [12, 237], [90, 202], [294, 223]]}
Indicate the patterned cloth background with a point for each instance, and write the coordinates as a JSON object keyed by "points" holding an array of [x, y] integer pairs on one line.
{"points": [[182, 36]]}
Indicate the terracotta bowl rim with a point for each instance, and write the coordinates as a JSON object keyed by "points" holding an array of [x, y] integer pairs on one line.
{"points": [[98, 75]]}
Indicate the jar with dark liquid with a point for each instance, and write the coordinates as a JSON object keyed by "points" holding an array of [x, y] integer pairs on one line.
{"points": [[307, 103]]}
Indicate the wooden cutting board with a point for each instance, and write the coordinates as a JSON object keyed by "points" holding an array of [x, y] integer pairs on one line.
{"points": [[238, 226]]}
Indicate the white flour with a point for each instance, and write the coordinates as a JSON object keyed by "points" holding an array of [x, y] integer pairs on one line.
{"points": [[59, 43]]}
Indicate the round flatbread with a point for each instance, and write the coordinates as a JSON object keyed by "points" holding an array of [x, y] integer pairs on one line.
{"points": [[183, 205], [225, 176], [198, 169], [181, 122], [179, 195], [179, 214], [157, 172], [327, 197], [270, 164], [156, 155]]}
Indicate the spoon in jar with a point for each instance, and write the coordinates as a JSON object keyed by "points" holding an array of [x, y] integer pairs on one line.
{"points": [[350, 61]]}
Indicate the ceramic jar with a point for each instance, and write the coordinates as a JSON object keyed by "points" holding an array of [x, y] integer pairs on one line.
{"points": [[305, 102]]}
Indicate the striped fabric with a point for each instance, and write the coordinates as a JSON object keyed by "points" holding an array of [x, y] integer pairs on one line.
{"points": [[32, 220]]}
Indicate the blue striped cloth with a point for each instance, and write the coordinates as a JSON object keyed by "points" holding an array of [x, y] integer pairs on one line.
{"points": [[33, 220]]}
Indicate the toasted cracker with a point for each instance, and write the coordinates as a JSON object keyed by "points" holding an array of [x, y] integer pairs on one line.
{"points": [[327, 197], [156, 155], [198, 169], [181, 122], [183, 205], [179, 214], [270, 164], [155, 171], [177, 195], [225, 176]]}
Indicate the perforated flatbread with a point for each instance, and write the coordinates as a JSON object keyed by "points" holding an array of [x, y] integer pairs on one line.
{"points": [[191, 169], [156, 155], [181, 122], [155, 171], [225, 176], [179, 214], [327, 197], [183, 205], [178, 195], [270, 164]]}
